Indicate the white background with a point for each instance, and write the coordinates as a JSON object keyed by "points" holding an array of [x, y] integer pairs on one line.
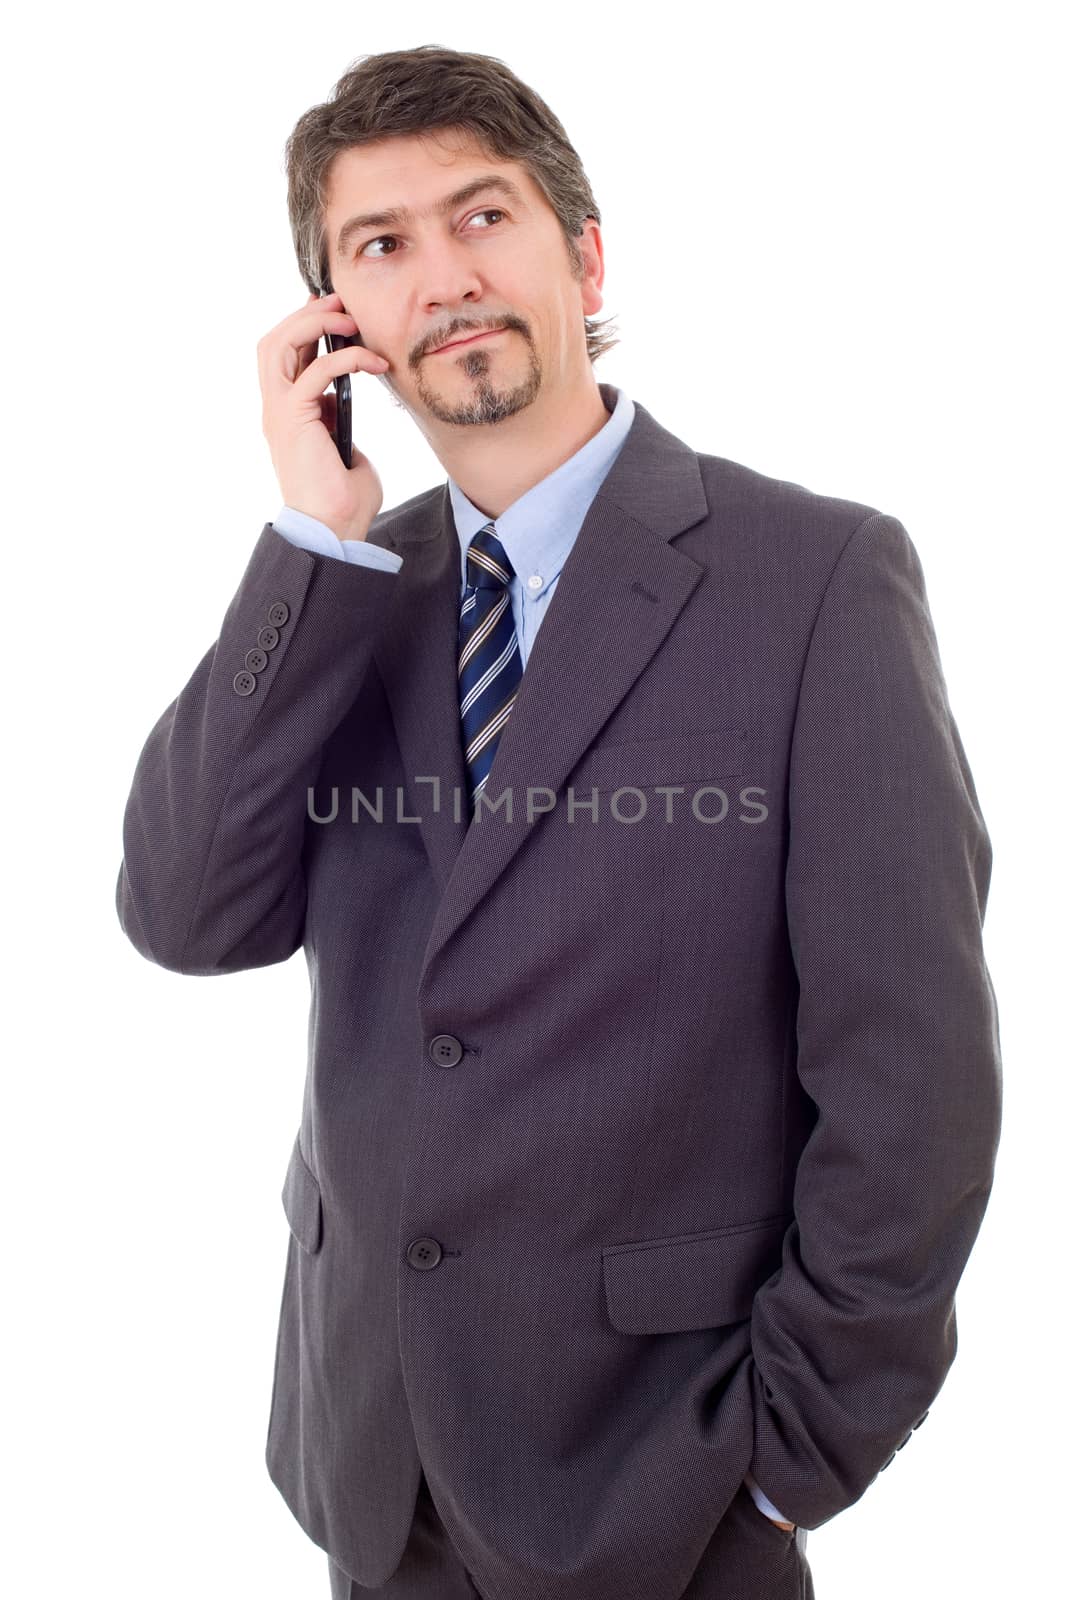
{"points": [[831, 241]]}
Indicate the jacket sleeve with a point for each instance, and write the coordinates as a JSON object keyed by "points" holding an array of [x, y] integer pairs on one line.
{"points": [[211, 879], [897, 1036]]}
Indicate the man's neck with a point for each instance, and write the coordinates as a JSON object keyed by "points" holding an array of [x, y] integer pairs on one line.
{"points": [[495, 465]]}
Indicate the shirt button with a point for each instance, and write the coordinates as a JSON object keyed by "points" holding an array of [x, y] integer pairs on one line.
{"points": [[535, 582]]}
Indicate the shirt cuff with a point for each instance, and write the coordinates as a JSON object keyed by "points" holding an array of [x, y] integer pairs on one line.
{"points": [[308, 533], [765, 1505]]}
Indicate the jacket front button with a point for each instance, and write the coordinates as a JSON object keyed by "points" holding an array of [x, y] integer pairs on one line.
{"points": [[445, 1049], [424, 1253]]}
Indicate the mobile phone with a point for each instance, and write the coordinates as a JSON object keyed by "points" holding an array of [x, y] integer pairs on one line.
{"points": [[342, 388]]}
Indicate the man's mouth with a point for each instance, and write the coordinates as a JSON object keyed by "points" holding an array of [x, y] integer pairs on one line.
{"points": [[457, 343]]}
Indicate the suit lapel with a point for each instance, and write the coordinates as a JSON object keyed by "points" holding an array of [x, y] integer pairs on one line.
{"points": [[616, 598]]}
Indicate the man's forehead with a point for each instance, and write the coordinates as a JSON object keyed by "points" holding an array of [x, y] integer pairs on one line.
{"points": [[440, 151]]}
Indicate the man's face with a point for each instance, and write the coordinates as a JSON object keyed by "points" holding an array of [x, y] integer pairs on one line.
{"points": [[494, 259]]}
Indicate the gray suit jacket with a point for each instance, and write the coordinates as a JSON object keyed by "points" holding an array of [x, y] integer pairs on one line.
{"points": [[636, 1154]]}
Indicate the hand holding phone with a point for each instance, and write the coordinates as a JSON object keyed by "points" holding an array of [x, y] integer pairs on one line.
{"points": [[309, 433]]}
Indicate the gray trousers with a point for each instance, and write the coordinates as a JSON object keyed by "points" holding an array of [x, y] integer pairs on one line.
{"points": [[747, 1558]]}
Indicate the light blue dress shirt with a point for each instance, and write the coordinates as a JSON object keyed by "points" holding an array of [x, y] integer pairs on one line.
{"points": [[537, 531]]}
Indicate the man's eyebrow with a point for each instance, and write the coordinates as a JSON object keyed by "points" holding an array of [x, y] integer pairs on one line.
{"points": [[398, 215]]}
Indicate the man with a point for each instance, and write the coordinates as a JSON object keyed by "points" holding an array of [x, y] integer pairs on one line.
{"points": [[653, 1088]]}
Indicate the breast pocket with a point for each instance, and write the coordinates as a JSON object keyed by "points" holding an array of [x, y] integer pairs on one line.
{"points": [[682, 758], [692, 1280]]}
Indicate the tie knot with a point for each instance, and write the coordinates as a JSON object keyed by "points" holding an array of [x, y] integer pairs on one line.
{"points": [[488, 566]]}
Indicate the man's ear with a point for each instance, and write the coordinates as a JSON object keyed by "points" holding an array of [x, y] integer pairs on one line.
{"points": [[591, 244]]}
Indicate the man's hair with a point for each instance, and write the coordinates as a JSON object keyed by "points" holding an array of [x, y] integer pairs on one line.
{"points": [[404, 92]]}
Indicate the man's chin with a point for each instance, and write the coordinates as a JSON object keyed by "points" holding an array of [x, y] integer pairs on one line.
{"points": [[480, 401]]}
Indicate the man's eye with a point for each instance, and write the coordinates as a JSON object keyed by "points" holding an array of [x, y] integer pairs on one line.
{"points": [[490, 211]]}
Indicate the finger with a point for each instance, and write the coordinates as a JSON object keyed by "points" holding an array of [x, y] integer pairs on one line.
{"points": [[332, 322], [290, 350], [320, 373], [308, 327], [305, 324]]}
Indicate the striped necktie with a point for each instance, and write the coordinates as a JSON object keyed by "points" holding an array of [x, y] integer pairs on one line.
{"points": [[490, 667]]}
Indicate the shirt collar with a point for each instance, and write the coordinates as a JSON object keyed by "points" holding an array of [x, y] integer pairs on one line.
{"points": [[539, 528]]}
